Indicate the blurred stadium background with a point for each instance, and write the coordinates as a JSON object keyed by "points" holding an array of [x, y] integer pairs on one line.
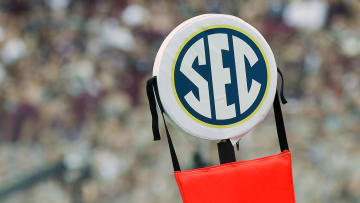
{"points": [[74, 119]]}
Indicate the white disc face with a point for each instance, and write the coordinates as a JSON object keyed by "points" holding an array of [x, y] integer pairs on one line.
{"points": [[216, 76]]}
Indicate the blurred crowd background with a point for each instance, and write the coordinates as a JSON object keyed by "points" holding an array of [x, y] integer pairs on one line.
{"points": [[74, 119]]}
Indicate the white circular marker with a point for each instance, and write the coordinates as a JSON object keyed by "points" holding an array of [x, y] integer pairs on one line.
{"points": [[216, 76]]}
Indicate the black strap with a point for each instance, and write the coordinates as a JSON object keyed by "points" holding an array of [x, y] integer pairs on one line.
{"points": [[283, 100], [152, 104], [280, 127], [151, 88]]}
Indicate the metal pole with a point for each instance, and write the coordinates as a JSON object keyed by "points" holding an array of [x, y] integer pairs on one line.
{"points": [[226, 151]]}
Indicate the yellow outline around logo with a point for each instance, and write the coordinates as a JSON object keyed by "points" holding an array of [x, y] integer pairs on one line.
{"points": [[173, 69]]}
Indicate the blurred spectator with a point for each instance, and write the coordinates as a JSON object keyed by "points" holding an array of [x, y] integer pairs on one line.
{"points": [[72, 78]]}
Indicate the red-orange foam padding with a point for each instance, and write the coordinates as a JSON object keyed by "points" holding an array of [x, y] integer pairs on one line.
{"points": [[264, 180]]}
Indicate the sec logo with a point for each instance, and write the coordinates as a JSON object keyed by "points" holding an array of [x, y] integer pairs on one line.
{"points": [[216, 76], [220, 76]]}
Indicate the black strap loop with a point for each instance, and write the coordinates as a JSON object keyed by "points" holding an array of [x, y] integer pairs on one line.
{"points": [[283, 99], [151, 87]]}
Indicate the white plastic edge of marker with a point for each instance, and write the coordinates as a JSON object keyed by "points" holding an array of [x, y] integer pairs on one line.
{"points": [[163, 70], [163, 46]]}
